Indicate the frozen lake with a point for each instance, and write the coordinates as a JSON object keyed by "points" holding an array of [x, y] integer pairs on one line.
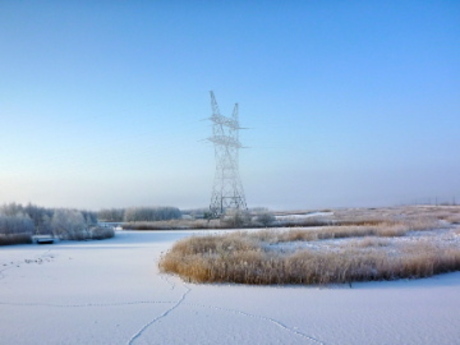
{"points": [[110, 292]]}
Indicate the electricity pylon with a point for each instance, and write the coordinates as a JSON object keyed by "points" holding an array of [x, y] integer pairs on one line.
{"points": [[227, 191]]}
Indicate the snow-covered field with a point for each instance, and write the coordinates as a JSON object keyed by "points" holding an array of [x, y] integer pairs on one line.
{"points": [[110, 292]]}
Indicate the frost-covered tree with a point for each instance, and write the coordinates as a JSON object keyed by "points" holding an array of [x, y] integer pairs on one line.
{"points": [[16, 219], [11, 209], [90, 217], [44, 227], [69, 225], [38, 215], [16, 224]]}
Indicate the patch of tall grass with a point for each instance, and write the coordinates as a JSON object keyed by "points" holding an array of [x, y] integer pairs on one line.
{"points": [[380, 229], [247, 257], [8, 239]]}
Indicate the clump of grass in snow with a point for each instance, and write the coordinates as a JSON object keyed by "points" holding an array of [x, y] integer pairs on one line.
{"points": [[246, 257], [8, 239]]}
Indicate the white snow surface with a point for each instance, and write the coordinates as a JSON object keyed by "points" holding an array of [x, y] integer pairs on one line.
{"points": [[304, 216], [111, 292]]}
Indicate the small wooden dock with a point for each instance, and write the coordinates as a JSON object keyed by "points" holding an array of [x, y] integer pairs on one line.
{"points": [[43, 239]]}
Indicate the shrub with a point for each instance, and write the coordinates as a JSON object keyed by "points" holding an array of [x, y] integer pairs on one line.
{"points": [[235, 219], [265, 218], [100, 233]]}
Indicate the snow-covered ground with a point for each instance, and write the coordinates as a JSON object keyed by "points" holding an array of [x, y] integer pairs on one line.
{"points": [[110, 292], [304, 216]]}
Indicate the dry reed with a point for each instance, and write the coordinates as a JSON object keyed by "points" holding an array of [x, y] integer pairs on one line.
{"points": [[248, 258], [15, 239]]}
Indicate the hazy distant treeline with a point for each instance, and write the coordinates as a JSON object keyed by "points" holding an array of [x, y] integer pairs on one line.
{"points": [[139, 214], [16, 219]]}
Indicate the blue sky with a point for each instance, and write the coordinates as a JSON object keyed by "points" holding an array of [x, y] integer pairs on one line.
{"points": [[348, 103]]}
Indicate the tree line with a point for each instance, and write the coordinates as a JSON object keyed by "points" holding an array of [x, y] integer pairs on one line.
{"points": [[18, 223], [139, 214]]}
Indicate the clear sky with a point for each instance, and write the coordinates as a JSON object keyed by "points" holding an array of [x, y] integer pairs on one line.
{"points": [[348, 103]]}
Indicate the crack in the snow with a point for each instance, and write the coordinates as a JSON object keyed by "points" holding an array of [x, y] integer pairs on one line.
{"points": [[165, 278], [166, 313], [265, 318], [41, 258]]}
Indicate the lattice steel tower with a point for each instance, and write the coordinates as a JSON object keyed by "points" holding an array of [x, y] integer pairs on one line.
{"points": [[227, 192]]}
